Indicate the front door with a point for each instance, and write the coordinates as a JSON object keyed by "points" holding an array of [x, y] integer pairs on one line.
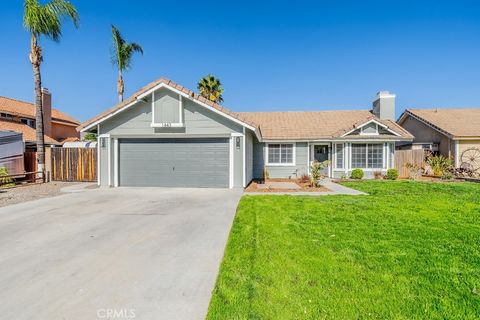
{"points": [[320, 154]]}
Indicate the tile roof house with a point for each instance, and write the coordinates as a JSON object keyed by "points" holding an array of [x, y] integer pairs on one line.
{"points": [[167, 135], [19, 116], [453, 133]]}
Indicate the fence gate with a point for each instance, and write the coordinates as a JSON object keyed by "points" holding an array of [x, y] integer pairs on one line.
{"points": [[74, 164], [402, 157]]}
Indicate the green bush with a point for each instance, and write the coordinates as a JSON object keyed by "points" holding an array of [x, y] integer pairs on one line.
{"points": [[5, 182], [392, 174], [356, 174]]}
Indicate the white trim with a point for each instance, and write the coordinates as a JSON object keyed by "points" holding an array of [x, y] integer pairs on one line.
{"points": [[167, 125], [163, 85], [236, 134], [109, 153], [294, 154], [360, 126], [308, 158], [329, 150], [366, 157], [244, 156], [153, 108], [98, 157], [180, 109], [169, 135], [362, 131], [115, 162], [334, 164], [231, 164], [457, 153]]}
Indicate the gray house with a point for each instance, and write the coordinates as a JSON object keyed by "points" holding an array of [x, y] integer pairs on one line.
{"points": [[166, 135]]}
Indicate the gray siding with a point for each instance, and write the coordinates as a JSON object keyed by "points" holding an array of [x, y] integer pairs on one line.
{"points": [[301, 162], [104, 163], [167, 104], [198, 121]]}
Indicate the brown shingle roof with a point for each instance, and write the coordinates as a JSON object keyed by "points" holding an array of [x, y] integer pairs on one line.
{"points": [[170, 83], [314, 125], [28, 133], [26, 109], [456, 122]]}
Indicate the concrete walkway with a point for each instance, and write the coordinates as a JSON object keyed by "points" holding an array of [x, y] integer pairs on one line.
{"points": [[137, 253], [335, 189]]}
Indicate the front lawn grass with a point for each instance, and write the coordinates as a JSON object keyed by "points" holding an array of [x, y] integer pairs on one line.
{"points": [[408, 250]]}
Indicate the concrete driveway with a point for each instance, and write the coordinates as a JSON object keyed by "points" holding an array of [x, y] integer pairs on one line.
{"points": [[125, 253]]}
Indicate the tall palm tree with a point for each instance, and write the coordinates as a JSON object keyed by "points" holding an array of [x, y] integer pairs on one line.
{"points": [[122, 57], [44, 20], [211, 88]]}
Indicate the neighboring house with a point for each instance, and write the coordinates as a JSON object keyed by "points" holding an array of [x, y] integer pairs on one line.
{"points": [[166, 135], [453, 133], [19, 116], [11, 152]]}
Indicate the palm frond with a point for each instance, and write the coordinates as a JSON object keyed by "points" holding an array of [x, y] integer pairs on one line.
{"points": [[47, 20], [123, 51]]}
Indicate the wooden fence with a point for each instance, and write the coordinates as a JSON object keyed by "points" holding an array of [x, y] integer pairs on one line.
{"points": [[402, 157], [30, 161], [74, 164]]}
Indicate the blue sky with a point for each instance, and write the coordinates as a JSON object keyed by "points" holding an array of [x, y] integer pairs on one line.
{"points": [[270, 55]]}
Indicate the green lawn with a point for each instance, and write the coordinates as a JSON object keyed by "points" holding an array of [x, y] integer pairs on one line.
{"points": [[409, 250]]}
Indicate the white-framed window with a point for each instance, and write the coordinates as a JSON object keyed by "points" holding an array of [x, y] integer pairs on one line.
{"points": [[367, 155], [281, 154], [339, 156]]}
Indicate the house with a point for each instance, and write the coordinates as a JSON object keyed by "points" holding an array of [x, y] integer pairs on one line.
{"points": [[166, 135], [453, 133], [11, 152], [19, 116]]}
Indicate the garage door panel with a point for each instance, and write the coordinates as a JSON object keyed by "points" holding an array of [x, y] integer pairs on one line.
{"points": [[174, 162]]}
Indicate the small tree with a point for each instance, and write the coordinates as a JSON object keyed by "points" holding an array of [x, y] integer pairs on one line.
{"points": [[90, 137], [414, 170], [316, 172]]}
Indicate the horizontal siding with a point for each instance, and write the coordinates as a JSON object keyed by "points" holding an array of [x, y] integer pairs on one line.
{"points": [[198, 121], [301, 163]]}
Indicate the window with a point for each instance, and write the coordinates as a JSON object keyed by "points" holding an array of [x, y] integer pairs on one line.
{"points": [[6, 116], [339, 156], [280, 153], [28, 122], [367, 156]]}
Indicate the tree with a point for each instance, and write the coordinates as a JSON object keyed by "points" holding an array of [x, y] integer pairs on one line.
{"points": [[44, 20], [211, 88], [122, 57], [90, 137]]}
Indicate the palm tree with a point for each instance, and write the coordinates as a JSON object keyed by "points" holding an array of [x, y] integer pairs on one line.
{"points": [[44, 20], [122, 57], [211, 88]]}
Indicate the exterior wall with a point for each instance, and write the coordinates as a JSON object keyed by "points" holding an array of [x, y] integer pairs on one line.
{"points": [[60, 132], [300, 167], [237, 162], [426, 134], [464, 145], [249, 137], [166, 106], [198, 121]]}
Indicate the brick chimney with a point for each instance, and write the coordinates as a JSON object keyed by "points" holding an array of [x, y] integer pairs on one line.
{"points": [[384, 106], [47, 111]]}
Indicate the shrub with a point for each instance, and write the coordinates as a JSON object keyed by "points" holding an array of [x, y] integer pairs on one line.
{"points": [[266, 174], [315, 173], [414, 170], [5, 182], [304, 178], [378, 175], [356, 174], [439, 164], [392, 174]]}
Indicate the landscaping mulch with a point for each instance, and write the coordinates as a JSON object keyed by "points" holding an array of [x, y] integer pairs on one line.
{"points": [[31, 192], [304, 186]]}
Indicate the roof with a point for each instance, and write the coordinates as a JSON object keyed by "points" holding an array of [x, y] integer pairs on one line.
{"points": [[311, 125], [453, 122], [27, 110], [29, 134], [174, 85], [315, 125]]}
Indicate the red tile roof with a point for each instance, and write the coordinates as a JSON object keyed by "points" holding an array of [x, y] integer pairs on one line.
{"points": [[27, 110], [29, 134]]}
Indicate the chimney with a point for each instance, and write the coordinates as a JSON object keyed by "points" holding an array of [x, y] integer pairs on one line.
{"points": [[47, 111], [384, 106]]}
